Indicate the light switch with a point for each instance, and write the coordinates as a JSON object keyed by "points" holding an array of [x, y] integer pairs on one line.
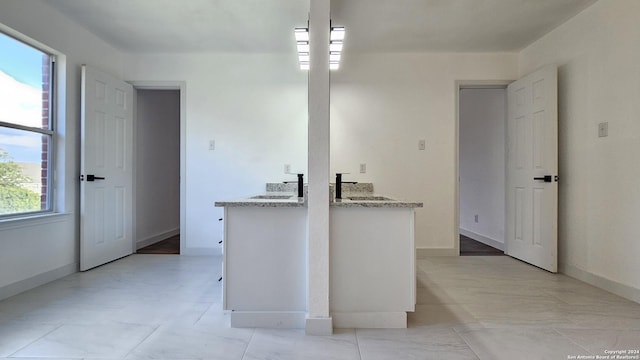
{"points": [[287, 168], [212, 144], [422, 144], [603, 129]]}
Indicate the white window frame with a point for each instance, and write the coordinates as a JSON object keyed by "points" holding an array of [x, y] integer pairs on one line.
{"points": [[56, 197]]}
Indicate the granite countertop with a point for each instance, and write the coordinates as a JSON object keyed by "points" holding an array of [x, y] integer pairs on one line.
{"points": [[290, 199], [268, 199], [353, 200]]}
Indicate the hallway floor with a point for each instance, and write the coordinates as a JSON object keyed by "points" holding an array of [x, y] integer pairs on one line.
{"points": [[168, 307]]}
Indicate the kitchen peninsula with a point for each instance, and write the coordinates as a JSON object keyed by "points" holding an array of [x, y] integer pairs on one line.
{"points": [[372, 259]]}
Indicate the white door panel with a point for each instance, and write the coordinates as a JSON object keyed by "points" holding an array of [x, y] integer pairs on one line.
{"points": [[106, 152], [532, 154]]}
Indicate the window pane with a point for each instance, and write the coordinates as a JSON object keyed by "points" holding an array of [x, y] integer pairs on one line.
{"points": [[24, 174], [24, 84]]}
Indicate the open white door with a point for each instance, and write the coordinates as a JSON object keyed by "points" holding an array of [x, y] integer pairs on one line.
{"points": [[532, 168], [106, 171]]}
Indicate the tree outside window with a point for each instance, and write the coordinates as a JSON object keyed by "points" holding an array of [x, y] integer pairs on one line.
{"points": [[26, 130]]}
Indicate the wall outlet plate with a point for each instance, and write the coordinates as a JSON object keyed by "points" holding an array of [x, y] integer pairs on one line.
{"points": [[603, 129], [363, 168], [212, 144], [287, 168], [422, 144]]}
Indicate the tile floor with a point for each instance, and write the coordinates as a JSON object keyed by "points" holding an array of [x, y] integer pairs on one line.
{"points": [[168, 307]]}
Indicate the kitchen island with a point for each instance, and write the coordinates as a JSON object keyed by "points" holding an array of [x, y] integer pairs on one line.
{"points": [[372, 260]]}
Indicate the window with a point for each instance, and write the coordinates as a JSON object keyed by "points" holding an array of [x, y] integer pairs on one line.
{"points": [[26, 128]]}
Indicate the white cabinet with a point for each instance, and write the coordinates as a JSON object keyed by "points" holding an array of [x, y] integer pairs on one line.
{"points": [[372, 266], [264, 266]]}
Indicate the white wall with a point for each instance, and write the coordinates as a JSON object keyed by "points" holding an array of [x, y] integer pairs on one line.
{"points": [[382, 104], [35, 251], [482, 163], [157, 165], [598, 53], [255, 108]]}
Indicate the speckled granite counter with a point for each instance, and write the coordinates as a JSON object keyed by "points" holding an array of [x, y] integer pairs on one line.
{"points": [[374, 201], [354, 195], [268, 199]]}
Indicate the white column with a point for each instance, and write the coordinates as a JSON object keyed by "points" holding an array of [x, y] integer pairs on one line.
{"points": [[318, 319]]}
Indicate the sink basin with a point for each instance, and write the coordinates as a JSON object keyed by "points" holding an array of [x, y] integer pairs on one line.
{"points": [[369, 198], [272, 197]]}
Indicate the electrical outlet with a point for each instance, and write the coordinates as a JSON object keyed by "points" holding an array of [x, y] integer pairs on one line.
{"points": [[603, 129], [363, 168], [212, 144], [422, 144], [476, 218], [287, 168]]}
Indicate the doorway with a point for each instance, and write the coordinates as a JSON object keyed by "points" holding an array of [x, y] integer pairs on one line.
{"points": [[157, 171], [482, 114]]}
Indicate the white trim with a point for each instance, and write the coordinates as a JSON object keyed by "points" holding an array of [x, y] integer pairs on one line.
{"points": [[32, 220], [483, 239], [615, 287], [322, 326], [37, 280], [466, 84], [268, 319], [157, 238], [370, 320], [182, 87], [57, 191]]}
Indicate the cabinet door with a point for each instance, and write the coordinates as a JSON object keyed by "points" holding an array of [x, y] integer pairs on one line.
{"points": [[265, 259]]}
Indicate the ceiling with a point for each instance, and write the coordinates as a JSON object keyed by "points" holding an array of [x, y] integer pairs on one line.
{"points": [[267, 25]]}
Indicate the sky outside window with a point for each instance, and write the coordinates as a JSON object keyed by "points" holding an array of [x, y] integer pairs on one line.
{"points": [[20, 97]]}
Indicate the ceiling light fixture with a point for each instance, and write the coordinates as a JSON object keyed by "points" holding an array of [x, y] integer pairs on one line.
{"points": [[336, 39], [335, 47]]}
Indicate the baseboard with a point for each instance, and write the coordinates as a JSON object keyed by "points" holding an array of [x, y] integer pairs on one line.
{"points": [[35, 281], [615, 287], [369, 320], [268, 319], [201, 251], [422, 253], [483, 239], [157, 238], [321, 326]]}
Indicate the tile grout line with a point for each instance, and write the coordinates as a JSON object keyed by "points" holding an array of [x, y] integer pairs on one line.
{"points": [[571, 340], [357, 344], [455, 331], [34, 341], [141, 341], [248, 343]]}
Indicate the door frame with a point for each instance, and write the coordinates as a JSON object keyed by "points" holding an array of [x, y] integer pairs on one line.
{"points": [[181, 86], [469, 84]]}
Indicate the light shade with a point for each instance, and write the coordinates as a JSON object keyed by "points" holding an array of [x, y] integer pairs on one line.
{"points": [[303, 46], [337, 33], [335, 46], [302, 34], [336, 39], [304, 57]]}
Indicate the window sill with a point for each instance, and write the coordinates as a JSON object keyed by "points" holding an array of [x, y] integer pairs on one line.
{"points": [[33, 220]]}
